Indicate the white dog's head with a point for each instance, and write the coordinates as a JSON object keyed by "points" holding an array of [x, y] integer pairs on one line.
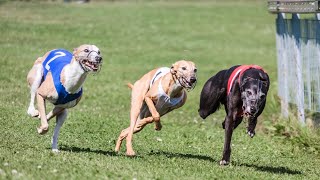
{"points": [[186, 73], [89, 57]]}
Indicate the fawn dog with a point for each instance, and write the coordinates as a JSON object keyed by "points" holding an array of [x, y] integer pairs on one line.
{"points": [[154, 95]]}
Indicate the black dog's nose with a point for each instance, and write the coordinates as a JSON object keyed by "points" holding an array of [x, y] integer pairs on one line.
{"points": [[253, 110], [98, 59], [193, 79]]}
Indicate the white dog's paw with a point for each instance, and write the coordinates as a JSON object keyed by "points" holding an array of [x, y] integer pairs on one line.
{"points": [[33, 112], [55, 150]]}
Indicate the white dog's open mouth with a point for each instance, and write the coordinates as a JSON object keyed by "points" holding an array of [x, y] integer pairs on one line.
{"points": [[90, 65]]}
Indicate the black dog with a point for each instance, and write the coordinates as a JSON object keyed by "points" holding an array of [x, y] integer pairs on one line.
{"points": [[243, 91]]}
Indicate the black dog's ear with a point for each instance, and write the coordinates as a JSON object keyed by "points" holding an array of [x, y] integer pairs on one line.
{"points": [[264, 78]]}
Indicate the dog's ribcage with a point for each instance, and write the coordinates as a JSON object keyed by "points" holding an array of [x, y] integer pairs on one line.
{"points": [[164, 102]]}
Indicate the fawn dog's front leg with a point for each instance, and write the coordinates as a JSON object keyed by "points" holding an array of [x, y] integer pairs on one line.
{"points": [[154, 113]]}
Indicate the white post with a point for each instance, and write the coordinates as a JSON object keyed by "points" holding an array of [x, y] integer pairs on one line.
{"points": [[281, 43], [298, 67]]}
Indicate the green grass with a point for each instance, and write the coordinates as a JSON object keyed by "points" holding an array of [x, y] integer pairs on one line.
{"points": [[135, 37]]}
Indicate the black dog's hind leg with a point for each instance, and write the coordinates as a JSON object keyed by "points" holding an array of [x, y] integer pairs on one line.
{"points": [[224, 122], [236, 123], [229, 125]]}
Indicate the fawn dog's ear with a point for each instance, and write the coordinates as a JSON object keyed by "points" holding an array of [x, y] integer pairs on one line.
{"points": [[174, 68]]}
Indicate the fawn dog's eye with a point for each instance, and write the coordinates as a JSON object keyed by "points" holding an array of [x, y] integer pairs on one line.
{"points": [[184, 68]]}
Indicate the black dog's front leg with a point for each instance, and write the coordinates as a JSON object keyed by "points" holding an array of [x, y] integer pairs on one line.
{"points": [[251, 126], [229, 125], [253, 121]]}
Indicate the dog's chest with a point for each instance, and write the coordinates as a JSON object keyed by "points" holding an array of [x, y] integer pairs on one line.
{"points": [[55, 64], [165, 103]]}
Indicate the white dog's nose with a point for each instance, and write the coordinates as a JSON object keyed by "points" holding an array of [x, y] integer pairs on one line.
{"points": [[98, 59]]}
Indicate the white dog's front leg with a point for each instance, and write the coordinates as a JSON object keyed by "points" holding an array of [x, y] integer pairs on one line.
{"points": [[60, 120], [33, 90]]}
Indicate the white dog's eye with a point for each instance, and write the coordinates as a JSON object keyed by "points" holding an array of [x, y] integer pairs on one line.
{"points": [[184, 68], [195, 70], [98, 52], [86, 50]]}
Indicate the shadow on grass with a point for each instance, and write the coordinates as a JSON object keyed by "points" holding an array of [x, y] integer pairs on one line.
{"points": [[89, 150], [274, 170], [270, 169], [181, 155]]}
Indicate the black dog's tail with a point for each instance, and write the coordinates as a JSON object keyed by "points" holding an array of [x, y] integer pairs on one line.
{"points": [[211, 95]]}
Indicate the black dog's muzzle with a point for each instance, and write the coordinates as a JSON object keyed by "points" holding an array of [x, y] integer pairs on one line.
{"points": [[251, 97]]}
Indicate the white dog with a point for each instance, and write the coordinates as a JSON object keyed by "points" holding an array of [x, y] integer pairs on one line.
{"points": [[58, 77]]}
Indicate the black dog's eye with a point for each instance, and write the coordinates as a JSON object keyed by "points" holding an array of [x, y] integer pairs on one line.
{"points": [[184, 68], [86, 50], [262, 96], [249, 93]]}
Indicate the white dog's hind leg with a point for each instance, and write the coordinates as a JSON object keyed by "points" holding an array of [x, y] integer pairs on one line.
{"points": [[54, 112], [33, 89], [60, 120]]}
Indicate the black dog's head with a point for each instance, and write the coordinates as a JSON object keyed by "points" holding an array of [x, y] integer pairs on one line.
{"points": [[254, 88]]}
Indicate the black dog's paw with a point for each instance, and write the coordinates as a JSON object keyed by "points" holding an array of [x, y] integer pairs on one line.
{"points": [[224, 163], [251, 133]]}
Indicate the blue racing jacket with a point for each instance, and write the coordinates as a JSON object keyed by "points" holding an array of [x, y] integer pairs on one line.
{"points": [[55, 62]]}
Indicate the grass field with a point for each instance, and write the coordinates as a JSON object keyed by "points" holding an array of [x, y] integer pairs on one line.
{"points": [[135, 37]]}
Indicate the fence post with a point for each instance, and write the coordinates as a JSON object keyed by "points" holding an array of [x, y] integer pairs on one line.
{"points": [[317, 79], [298, 67], [282, 64], [298, 46]]}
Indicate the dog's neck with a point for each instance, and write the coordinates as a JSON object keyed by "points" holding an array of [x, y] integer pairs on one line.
{"points": [[73, 77], [175, 89]]}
